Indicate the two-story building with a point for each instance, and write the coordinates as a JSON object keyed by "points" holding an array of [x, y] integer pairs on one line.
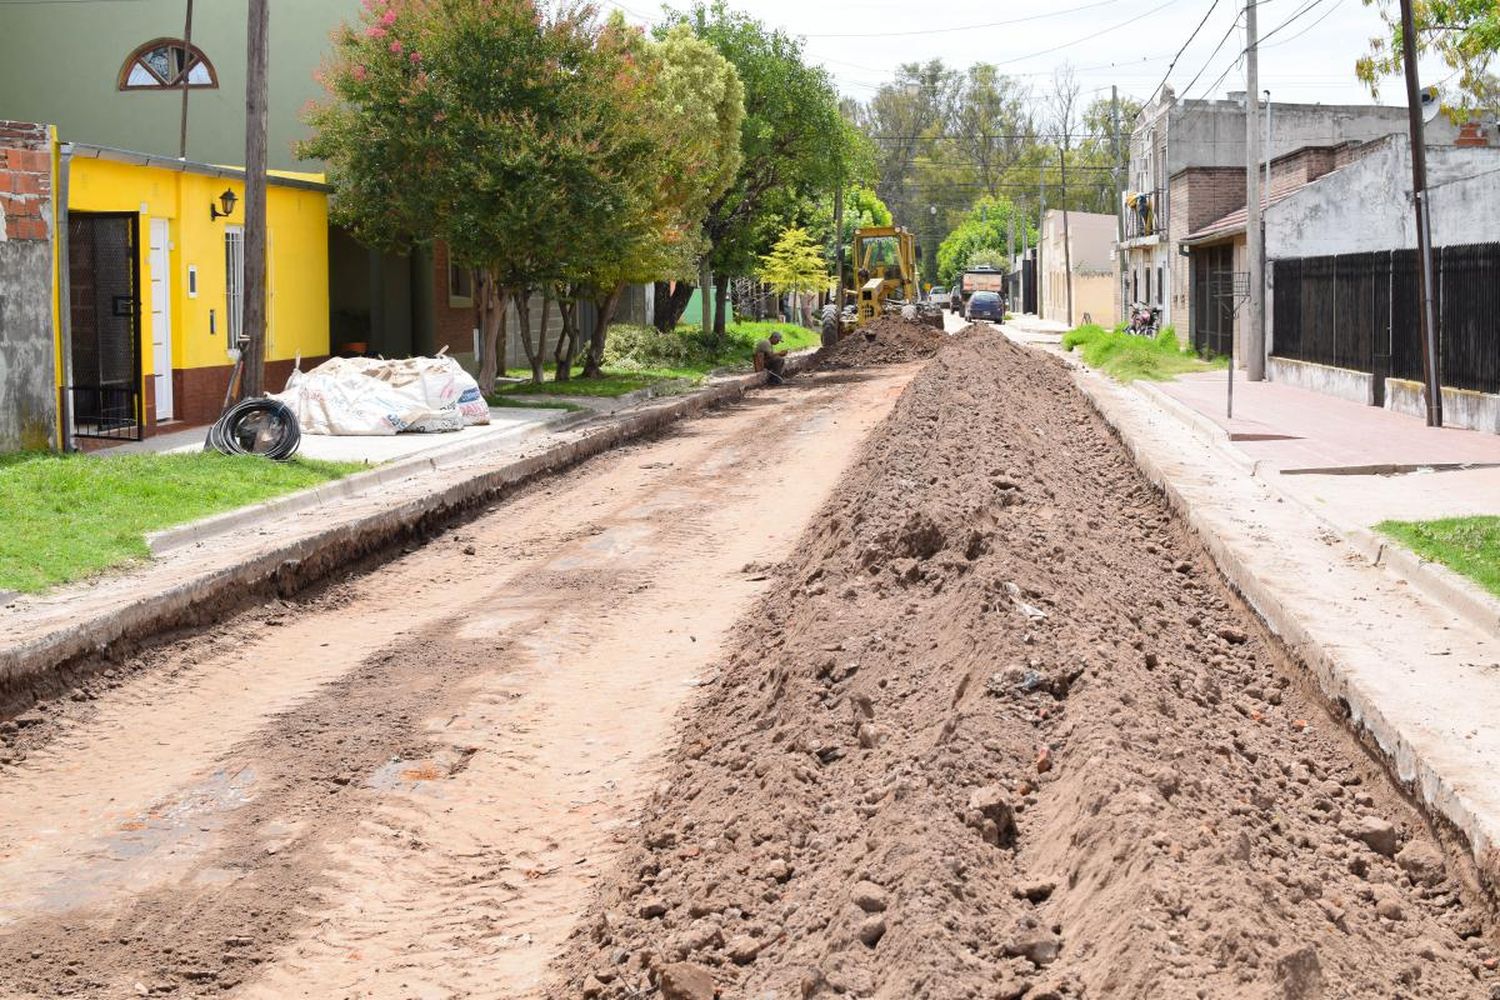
{"points": [[1187, 169]]}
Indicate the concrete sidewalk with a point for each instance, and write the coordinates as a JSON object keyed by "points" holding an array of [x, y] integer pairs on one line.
{"points": [[1419, 681], [505, 421]]}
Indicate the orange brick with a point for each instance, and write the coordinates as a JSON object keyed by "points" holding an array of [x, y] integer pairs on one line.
{"points": [[26, 183]]}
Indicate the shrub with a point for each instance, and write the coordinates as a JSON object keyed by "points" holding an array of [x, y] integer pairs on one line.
{"points": [[641, 348]]}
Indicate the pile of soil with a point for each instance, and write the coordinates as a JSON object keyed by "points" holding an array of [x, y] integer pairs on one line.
{"points": [[1000, 731], [897, 341]]}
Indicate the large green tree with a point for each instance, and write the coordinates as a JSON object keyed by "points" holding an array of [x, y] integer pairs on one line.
{"points": [[793, 141], [984, 229], [1464, 33], [694, 109], [497, 127]]}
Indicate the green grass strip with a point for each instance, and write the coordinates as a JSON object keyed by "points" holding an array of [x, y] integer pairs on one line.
{"points": [[69, 516], [1466, 545]]}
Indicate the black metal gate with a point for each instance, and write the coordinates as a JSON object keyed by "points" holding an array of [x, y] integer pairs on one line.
{"points": [[104, 309], [1213, 299]]}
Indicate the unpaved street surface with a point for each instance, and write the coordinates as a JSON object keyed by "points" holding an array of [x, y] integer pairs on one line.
{"points": [[999, 730], [406, 785]]}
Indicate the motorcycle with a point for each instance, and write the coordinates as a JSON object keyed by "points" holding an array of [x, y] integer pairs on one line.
{"points": [[1145, 320]]}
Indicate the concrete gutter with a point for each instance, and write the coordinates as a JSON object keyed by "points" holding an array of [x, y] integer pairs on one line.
{"points": [[1418, 692], [72, 642]]}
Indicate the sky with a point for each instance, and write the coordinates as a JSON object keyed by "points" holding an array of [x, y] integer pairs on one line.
{"points": [[1307, 55]]}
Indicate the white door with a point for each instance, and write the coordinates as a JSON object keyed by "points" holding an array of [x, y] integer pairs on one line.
{"points": [[160, 263]]}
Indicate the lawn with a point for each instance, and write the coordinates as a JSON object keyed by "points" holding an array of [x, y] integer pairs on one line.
{"points": [[1467, 545], [68, 516], [636, 357], [1128, 357]]}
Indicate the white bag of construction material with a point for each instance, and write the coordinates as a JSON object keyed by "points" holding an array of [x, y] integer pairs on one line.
{"points": [[343, 401], [374, 396]]}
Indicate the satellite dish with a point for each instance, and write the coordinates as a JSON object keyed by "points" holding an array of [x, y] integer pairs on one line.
{"points": [[1430, 104]]}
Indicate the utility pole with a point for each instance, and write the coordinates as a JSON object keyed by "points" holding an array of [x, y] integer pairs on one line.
{"points": [[1431, 368], [1062, 159], [1255, 319], [256, 56], [1119, 179], [1041, 232], [187, 57]]}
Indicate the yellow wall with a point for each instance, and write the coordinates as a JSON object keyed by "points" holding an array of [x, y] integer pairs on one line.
{"points": [[297, 254]]}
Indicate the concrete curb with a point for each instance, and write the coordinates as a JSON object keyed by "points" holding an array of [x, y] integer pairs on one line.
{"points": [[287, 567], [168, 539], [1341, 685], [1438, 583]]}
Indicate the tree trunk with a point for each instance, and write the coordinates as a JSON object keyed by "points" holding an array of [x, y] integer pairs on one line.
{"points": [[594, 364], [492, 300], [536, 350], [721, 295], [567, 343], [668, 315]]}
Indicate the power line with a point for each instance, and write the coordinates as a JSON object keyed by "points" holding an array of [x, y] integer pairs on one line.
{"points": [[1173, 65], [1284, 24], [965, 27], [1232, 25], [1330, 10]]}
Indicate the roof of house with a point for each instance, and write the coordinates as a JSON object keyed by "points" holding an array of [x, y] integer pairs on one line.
{"points": [[1234, 223], [276, 178]]}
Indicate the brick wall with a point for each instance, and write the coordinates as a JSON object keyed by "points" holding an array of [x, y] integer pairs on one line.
{"points": [[453, 325], [28, 396], [25, 181]]}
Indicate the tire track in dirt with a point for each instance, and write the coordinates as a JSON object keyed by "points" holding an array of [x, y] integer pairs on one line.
{"points": [[420, 807]]}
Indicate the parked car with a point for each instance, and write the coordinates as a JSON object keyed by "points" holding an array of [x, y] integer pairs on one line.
{"points": [[938, 295], [956, 300], [985, 305]]}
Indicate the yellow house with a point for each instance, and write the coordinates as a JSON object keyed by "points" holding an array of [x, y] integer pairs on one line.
{"points": [[151, 279]]}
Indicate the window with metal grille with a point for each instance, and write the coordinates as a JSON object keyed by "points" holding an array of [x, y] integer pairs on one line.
{"points": [[234, 283]]}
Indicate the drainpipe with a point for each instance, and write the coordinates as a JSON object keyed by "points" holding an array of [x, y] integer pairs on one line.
{"points": [[65, 291]]}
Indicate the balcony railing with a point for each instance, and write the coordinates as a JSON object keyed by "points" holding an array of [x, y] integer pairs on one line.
{"points": [[1145, 213]]}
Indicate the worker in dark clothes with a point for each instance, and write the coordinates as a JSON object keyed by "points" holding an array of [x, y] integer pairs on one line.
{"points": [[772, 360]]}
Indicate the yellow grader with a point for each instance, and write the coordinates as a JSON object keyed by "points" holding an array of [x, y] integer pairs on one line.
{"points": [[884, 282]]}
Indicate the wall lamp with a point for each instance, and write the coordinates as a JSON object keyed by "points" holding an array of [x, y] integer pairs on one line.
{"points": [[224, 208]]}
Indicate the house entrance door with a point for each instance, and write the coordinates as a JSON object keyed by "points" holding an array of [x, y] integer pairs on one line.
{"points": [[1213, 299], [104, 314]]}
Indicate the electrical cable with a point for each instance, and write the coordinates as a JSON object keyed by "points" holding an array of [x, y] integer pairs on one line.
{"points": [[265, 427], [1173, 65]]}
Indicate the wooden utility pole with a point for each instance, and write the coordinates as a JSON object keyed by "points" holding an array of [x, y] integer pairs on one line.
{"points": [[187, 58], [1255, 319], [1119, 189], [1062, 160], [1041, 233], [257, 41], [1431, 368]]}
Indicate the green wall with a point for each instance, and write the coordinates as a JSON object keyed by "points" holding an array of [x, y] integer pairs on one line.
{"points": [[60, 63]]}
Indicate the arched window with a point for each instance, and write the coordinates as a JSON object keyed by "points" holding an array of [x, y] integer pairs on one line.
{"points": [[167, 64]]}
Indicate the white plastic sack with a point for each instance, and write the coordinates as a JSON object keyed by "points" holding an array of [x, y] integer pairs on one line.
{"points": [[370, 396]]}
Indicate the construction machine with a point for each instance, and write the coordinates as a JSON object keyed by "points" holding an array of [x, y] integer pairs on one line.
{"points": [[885, 281]]}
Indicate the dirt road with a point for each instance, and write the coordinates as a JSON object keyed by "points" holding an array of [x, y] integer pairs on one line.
{"points": [[405, 786]]}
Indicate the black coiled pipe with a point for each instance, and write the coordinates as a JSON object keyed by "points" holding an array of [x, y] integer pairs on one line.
{"points": [[264, 427]]}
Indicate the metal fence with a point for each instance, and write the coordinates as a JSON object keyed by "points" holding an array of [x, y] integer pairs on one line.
{"points": [[1362, 311], [109, 412]]}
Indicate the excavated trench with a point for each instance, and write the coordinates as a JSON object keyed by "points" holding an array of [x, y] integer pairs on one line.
{"points": [[1000, 730]]}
